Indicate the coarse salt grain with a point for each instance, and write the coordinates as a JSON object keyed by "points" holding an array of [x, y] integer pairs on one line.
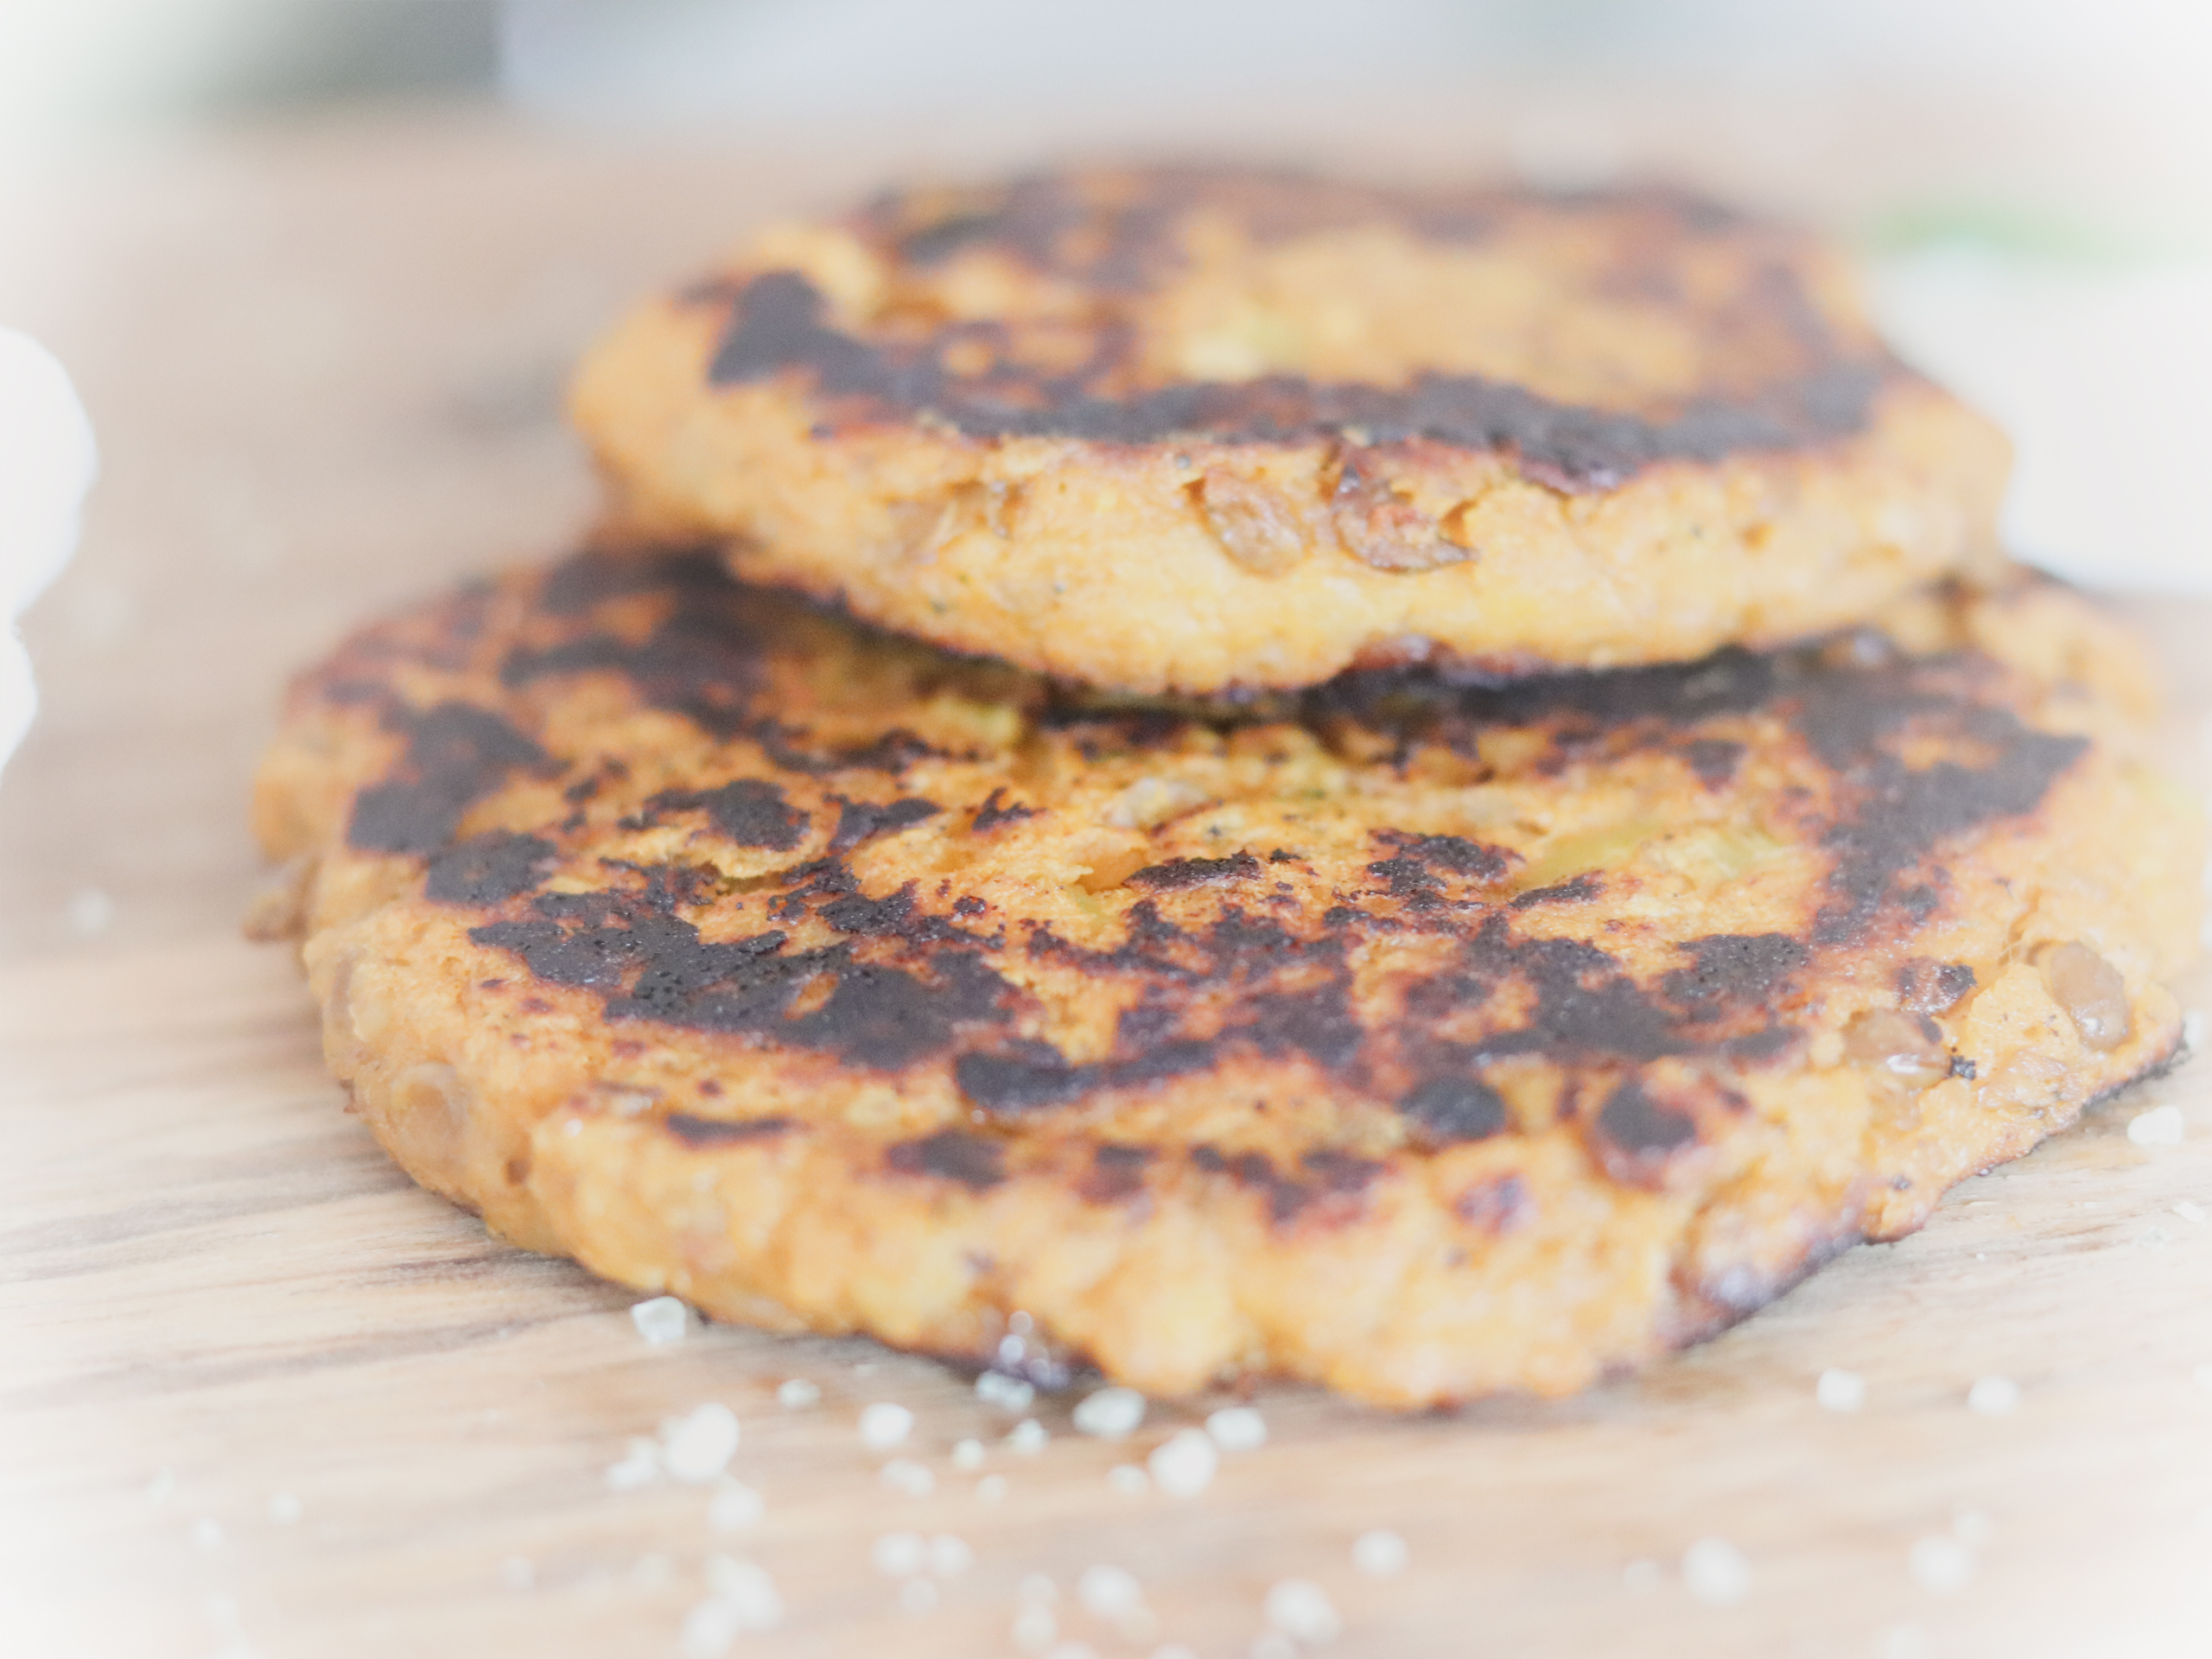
{"points": [[1108, 1590], [918, 1595], [950, 1556], [699, 1445], [905, 1474], [746, 1587], [1183, 1466], [1034, 1628], [2192, 1213], [663, 1320], [1716, 1572], [1110, 1414], [967, 1454], [1027, 1437], [734, 1507], [1129, 1480], [639, 1466], [796, 1392], [1840, 1390], [900, 1555], [1940, 1564], [885, 1425], [1006, 1393], [990, 1488], [2162, 1125], [1992, 1396], [2192, 1031], [284, 1509], [1301, 1609], [1238, 1429], [1379, 1555]]}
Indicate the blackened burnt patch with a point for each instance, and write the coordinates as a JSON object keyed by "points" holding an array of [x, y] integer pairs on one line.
{"points": [[994, 812], [1453, 1109], [1586, 1006], [950, 1155], [1027, 1077], [1116, 1173], [1580, 890], [1642, 1127], [750, 811], [1179, 873], [1714, 760], [701, 1133], [859, 821], [487, 869], [456, 754], [648, 964], [1732, 970]]}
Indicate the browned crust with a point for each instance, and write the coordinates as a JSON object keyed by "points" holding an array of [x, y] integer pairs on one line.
{"points": [[742, 954]]}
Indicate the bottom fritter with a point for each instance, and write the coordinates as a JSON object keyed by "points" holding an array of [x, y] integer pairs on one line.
{"points": [[1422, 1040]]}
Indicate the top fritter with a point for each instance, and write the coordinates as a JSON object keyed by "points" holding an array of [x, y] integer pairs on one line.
{"points": [[1199, 431]]}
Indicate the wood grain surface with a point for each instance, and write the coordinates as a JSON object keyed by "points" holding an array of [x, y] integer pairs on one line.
{"points": [[260, 1395]]}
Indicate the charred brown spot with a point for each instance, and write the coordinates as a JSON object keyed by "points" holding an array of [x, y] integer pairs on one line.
{"points": [[456, 754], [487, 869], [994, 812], [1449, 1110], [1116, 1173], [751, 811], [701, 1133], [1640, 1126], [951, 1155], [1179, 873]]}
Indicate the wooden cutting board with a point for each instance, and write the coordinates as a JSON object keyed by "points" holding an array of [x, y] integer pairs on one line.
{"points": [[259, 1395]]}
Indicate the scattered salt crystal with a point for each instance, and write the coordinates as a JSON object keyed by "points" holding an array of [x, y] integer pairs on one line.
{"points": [[1108, 1590], [1034, 1628], [1183, 1466], [663, 1320], [1971, 1528], [640, 1465], [699, 1445], [1238, 1429], [284, 1509], [734, 1507], [1301, 1610], [1129, 1480], [708, 1630], [918, 1595], [1641, 1577], [884, 1425], [2192, 1031], [900, 1555], [1110, 1414], [1027, 1437], [1006, 1393], [1716, 1572], [1840, 1390], [517, 1572], [1940, 1564], [207, 1533], [90, 910], [990, 1488], [2192, 1213], [1993, 1396], [967, 1454], [1379, 1555], [950, 1556], [745, 1588], [796, 1392], [1036, 1586], [1272, 1646], [905, 1474], [2161, 1125]]}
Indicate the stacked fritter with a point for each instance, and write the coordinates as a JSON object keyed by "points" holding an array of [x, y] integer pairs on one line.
{"points": [[1459, 798]]}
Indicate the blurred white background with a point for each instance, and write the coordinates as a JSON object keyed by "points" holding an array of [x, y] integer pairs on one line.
{"points": [[2031, 181]]}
